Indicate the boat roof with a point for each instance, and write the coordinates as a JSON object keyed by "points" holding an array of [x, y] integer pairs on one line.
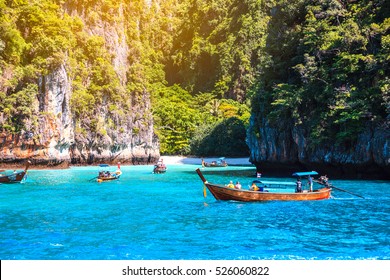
{"points": [[103, 165], [299, 174]]}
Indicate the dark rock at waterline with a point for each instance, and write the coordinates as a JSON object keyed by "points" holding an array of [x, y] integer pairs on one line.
{"points": [[286, 149]]}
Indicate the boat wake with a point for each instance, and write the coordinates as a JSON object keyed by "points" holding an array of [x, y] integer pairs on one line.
{"points": [[346, 198], [56, 245]]}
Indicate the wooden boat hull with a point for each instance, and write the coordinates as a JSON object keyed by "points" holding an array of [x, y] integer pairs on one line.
{"points": [[108, 178], [109, 175], [15, 177], [206, 164], [223, 193], [159, 171], [113, 176]]}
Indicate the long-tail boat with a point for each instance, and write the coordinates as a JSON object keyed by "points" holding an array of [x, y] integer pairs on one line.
{"points": [[160, 167], [15, 177], [109, 175], [215, 163], [268, 191]]}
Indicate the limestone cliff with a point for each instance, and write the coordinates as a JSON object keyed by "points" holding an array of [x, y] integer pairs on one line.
{"points": [[50, 141], [128, 138], [117, 127]]}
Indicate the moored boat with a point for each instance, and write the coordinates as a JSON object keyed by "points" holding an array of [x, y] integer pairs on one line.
{"points": [[15, 177], [105, 175], [215, 163], [268, 191], [160, 167]]}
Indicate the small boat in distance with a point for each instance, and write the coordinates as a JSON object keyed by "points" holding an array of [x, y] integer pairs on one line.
{"points": [[15, 177], [267, 191], [160, 167], [215, 163], [105, 175]]}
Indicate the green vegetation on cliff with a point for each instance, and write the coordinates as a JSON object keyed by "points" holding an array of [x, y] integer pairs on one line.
{"points": [[328, 68], [204, 64]]}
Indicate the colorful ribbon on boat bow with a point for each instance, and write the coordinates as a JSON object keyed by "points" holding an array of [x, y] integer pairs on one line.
{"points": [[204, 190]]}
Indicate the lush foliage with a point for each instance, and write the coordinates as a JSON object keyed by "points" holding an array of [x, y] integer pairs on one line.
{"points": [[329, 68], [225, 138], [204, 63], [200, 124], [218, 46], [320, 64]]}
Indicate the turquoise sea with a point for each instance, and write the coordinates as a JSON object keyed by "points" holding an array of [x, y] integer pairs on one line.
{"points": [[61, 214]]}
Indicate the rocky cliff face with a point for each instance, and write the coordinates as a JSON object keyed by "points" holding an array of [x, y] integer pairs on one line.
{"points": [[286, 149], [57, 144], [50, 143], [129, 138], [59, 138]]}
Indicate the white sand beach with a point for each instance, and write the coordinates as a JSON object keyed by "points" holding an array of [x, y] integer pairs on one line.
{"points": [[192, 160]]}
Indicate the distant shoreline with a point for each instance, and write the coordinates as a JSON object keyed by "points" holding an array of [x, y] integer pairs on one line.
{"points": [[168, 160], [177, 160]]}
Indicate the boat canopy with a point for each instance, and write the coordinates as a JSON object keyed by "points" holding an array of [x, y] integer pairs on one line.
{"points": [[300, 174], [103, 165]]}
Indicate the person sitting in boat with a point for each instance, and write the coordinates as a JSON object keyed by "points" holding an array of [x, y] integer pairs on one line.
{"points": [[257, 186], [238, 185], [254, 187], [298, 188], [160, 164], [230, 185]]}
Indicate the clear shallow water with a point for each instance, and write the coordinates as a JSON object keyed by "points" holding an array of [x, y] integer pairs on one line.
{"points": [[60, 214]]}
